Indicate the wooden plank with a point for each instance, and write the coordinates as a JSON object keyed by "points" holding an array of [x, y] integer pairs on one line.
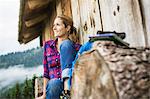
{"points": [[34, 4], [145, 4], [35, 20], [29, 14], [34, 29], [48, 31], [89, 17], [58, 8], [66, 7], [76, 17], [27, 37], [123, 16], [48, 34], [63, 7], [38, 87]]}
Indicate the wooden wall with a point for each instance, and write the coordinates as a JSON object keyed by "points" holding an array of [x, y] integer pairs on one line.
{"points": [[86, 17], [129, 16], [123, 16], [57, 8], [145, 7], [48, 33]]}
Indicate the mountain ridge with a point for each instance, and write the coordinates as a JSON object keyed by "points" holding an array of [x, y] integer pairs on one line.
{"points": [[29, 58]]}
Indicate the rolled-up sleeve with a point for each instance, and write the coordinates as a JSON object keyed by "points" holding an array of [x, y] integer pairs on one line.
{"points": [[67, 56]]}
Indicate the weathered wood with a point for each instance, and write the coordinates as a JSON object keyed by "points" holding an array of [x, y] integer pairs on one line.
{"points": [[123, 16], [32, 13], [28, 35], [35, 4], [47, 33], [58, 7], [76, 17], [34, 29], [92, 78], [63, 7], [89, 17], [38, 87], [86, 17], [35, 20], [66, 7], [32, 17], [48, 30], [129, 69], [129, 16], [111, 72], [26, 40], [145, 11]]}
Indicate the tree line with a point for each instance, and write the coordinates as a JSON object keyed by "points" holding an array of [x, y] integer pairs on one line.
{"points": [[20, 90], [28, 58]]}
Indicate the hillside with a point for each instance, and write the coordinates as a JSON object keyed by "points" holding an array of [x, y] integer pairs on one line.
{"points": [[28, 58]]}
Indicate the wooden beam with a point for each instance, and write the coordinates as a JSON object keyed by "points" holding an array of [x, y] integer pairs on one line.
{"points": [[35, 20], [34, 4], [34, 29], [27, 37]]}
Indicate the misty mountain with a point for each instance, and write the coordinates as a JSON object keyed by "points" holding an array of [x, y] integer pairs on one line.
{"points": [[20, 85], [28, 58]]}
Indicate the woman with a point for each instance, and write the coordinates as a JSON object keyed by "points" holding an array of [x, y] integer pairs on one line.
{"points": [[58, 57]]}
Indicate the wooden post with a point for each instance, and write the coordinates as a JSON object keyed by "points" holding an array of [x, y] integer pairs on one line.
{"points": [[38, 87]]}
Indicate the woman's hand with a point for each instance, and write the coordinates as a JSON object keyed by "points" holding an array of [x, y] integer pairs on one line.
{"points": [[66, 84], [65, 94]]}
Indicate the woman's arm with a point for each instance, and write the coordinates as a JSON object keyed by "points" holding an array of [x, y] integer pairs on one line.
{"points": [[67, 55], [45, 80]]}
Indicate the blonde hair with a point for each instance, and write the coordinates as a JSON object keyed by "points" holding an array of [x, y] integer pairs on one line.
{"points": [[73, 35]]}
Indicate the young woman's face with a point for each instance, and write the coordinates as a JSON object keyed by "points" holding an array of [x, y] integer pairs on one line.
{"points": [[59, 28]]}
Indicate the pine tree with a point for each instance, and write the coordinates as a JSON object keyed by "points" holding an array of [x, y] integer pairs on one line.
{"points": [[17, 91], [27, 90]]}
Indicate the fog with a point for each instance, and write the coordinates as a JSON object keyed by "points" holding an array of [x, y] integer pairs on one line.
{"points": [[10, 76]]}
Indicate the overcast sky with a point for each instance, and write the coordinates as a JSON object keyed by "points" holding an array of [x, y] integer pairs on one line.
{"points": [[9, 16]]}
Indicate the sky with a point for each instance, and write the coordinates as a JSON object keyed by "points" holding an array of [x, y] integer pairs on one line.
{"points": [[9, 17]]}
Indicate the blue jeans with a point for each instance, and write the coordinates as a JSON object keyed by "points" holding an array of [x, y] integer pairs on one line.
{"points": [[67, 55], [54, 89]]}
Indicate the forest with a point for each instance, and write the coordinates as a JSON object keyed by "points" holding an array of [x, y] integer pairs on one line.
{"points": [[23, 90], [28, 58]]}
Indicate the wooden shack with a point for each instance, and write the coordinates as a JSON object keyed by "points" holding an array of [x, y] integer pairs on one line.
{"points": [[89, 16], [129, 16]]}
